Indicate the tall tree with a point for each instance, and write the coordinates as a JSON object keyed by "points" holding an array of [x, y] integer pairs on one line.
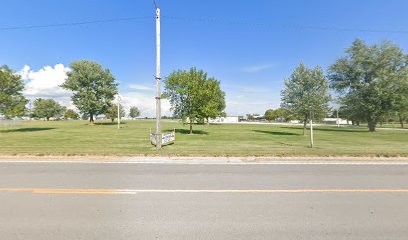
{"points": [[134, 112], [94, 87], [12, 101], [47, 108], [112, 112], [190, 97], [400, 105], [306, 94], [367, 80]]}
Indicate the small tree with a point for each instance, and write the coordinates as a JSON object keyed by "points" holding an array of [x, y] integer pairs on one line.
{"points": [[94, 88], [12, 101], [112, 112], [134, 112], [270, 115], [275, 115], [214, 100], [190, 96], [47, 108], [306, 94], [71, 114]]}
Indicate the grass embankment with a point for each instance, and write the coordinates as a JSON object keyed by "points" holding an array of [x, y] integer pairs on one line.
{"points": [[78, 138]]}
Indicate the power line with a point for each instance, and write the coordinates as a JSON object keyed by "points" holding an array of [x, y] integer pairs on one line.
{"points": [[210, 21], [268, 25], [56, 25]]}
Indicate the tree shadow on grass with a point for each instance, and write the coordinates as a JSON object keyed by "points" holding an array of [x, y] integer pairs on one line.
{"points": [[277, 133], [108, 123], [187, 131], [340, 129], [25, 130]]}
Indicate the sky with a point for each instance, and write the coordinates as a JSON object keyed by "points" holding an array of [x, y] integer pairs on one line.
{"points": [[250, 46]]}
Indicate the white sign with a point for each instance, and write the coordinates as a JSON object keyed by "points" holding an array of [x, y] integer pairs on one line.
{"points": [[166, 138]]}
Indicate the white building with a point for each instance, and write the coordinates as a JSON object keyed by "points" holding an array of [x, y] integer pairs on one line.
{"points": [[335, 121], [228, 119]]}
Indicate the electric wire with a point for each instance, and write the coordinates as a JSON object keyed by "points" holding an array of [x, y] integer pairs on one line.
{"points": [[57, 25], [206, 20]]}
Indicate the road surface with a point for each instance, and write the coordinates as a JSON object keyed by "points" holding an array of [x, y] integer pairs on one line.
{"points": [[216, 201]]}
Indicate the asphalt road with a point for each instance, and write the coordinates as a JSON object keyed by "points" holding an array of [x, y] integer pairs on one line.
{"points": [[153, 201]]}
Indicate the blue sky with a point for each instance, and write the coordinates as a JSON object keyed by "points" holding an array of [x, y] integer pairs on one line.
{"points": [[250, 46]]}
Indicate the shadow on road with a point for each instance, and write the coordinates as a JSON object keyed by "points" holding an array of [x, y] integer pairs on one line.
{"points": [[25, 130]]}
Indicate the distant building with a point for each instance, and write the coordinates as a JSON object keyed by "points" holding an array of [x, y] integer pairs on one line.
{"points": [[228, 119], [335, 121]]}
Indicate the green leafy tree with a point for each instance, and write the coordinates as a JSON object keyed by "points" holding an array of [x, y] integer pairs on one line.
{"points": [[274, 115], [306, 94], [71, 114], [367, 80], [47, 108], [94, 88], [112, 112], [400, 105], [214, 100], [134, 112], [190, 97], [12, 101], [270, 115]]}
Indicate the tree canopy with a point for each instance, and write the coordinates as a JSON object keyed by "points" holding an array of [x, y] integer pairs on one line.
{"points": [[193, 95], [94, 88], [274, 115], [369, 80], [12, 101], [71, 114], [134, 112], [306, 94], [47, 108], [112, 112]]}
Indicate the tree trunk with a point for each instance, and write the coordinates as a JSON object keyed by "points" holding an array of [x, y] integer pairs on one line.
{"points": [[112, 119], [401, 121], [304, 127], [191, 127], [371, 126], [48, 118], [91, 119], [208, 121]]}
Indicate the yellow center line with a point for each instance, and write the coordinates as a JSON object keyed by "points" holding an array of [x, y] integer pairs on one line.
{"points": [[135, 191]]}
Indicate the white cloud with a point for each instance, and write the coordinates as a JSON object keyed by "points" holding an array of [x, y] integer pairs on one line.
{"points": [[141, 87], [45, 83], [145, 102], [258, 68]]}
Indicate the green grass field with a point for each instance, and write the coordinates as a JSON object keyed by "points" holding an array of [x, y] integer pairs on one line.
{"points": [[78, 138]]}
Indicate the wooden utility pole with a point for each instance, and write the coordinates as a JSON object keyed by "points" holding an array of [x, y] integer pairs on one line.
{"points": [[118, 111], [158, 79], [311, 130]]}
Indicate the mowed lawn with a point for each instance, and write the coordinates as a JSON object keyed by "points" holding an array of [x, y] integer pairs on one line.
{"points": [[78, 138]]}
